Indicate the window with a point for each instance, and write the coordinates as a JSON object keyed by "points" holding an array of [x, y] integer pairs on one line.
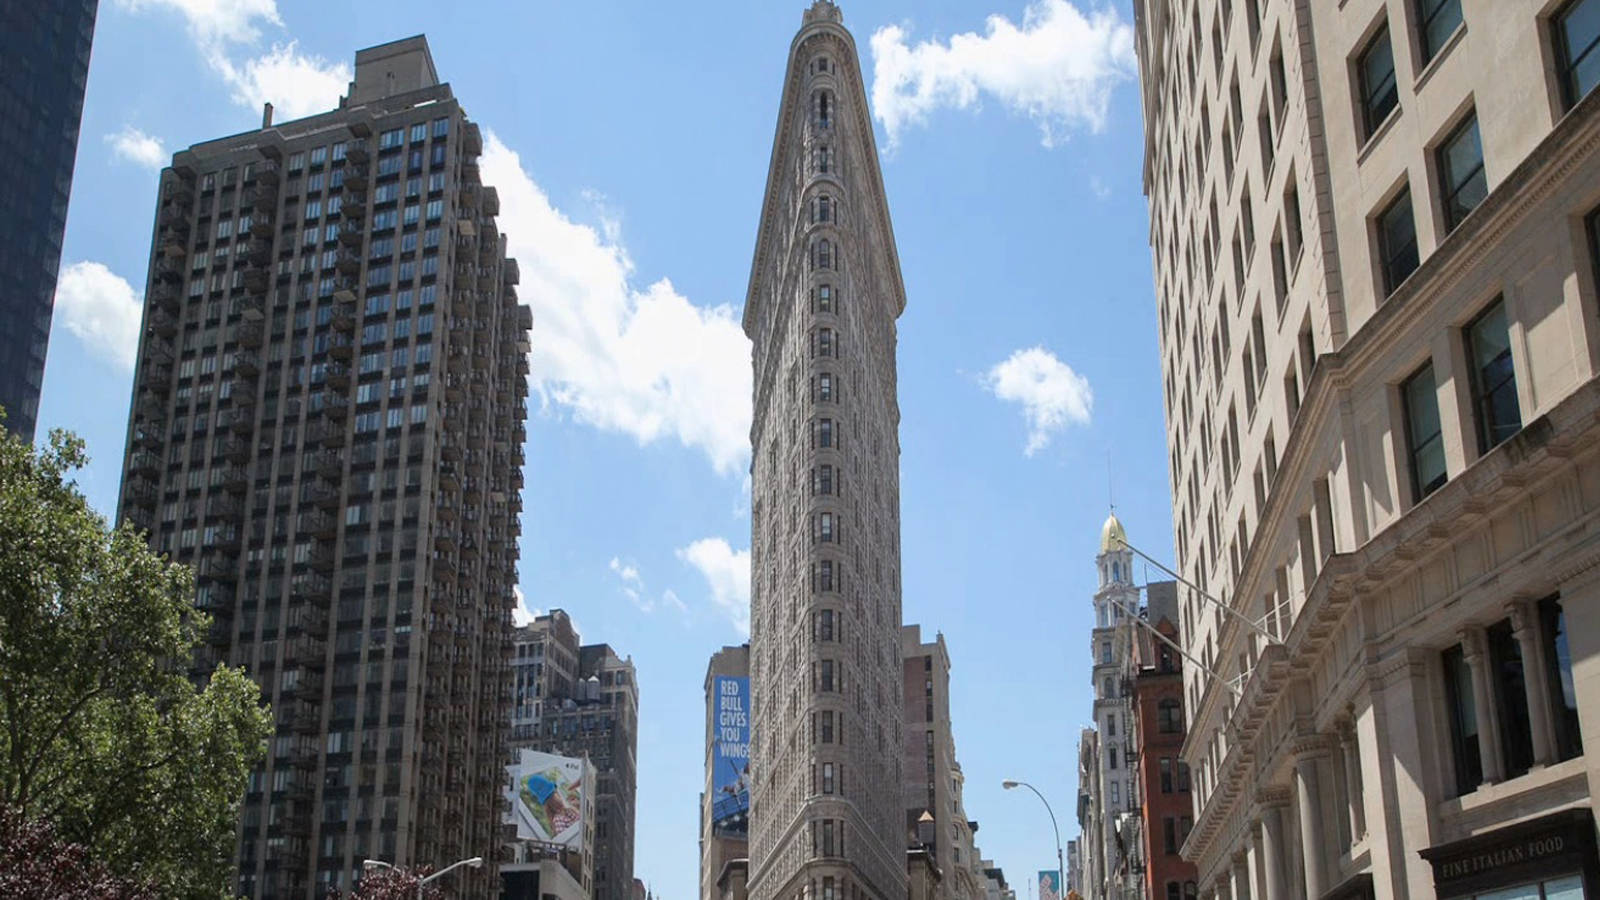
{"points": [[1379, 94], [1558, 674], [1397, 242], [1577, 32], [824, 298], [1105, 651], [1424, 440], [1463, 720], [1116, 795], [1508, 683], [1438, 20], [1494, 381], [1169, 835], [1169, 717], [825, 527], [1174, 892], [1166, 774], [1461, 178], [825, 387], [1183, 777], [1111, 758]]}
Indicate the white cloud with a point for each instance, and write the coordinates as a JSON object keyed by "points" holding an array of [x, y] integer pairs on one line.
{"points": [[523, 614], [728, 574], [137, 147], [1058, 69], [295, 83], [216, 22], [101, 309], [1051, 394], [632, 584], [641, 361]]}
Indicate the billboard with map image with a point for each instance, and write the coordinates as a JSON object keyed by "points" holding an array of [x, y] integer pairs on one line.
{"points": [[547, 798]]}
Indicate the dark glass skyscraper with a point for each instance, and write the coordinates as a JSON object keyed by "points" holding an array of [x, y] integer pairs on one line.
{"points": [[44, 63]]}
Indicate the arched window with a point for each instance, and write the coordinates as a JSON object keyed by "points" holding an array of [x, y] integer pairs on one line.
{"points": [[824, 209], [822, 254], [1116, 571]]}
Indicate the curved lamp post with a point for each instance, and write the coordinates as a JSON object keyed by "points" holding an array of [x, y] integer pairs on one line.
{"points": [[1061, 865], [474, 862]]}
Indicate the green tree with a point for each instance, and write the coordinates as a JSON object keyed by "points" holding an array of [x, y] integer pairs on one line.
{"points": [[102, 733]]}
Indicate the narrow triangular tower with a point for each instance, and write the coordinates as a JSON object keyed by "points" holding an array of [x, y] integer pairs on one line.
{"points": [[826, 816]]}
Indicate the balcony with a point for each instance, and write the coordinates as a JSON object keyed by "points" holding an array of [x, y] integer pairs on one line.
{"points": [[335, 407], [337, 375], [491, 202], [355, 192], [242, 418], [141, 493], [175, 218], [343, 316], [266, 175], [262, 224], [347, 261], [256, 281], [168, 270], [223, 507], [330, 466], [313, 589], [326, 433], [248, 334], [510, 273], [471, 139], [306, 619], [218, 567], [351, 234], [161, 321], [247, 364], [259, 251], [235, 479], [341, 348], [308, 684], [150, 408], [178, 195], [321, 494], [261, 198], [165, 295], [249, 305], [148, 437], [307, 652], [356, 152]]}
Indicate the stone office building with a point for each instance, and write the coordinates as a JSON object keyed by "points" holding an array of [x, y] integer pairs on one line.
{"points": [[824, 295], [1373, 225], [327, 426]]}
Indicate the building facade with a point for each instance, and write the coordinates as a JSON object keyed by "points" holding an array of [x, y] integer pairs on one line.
{"points": [[725, 796], [1112, 784], [583, 701], [1373, 231], [933, 779], [44, 66], [1154, 682], [825, 291], [327, 426], [1091, 824]]}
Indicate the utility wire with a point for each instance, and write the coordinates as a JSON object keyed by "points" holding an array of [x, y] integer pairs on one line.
{"points": [[1251, 623]]}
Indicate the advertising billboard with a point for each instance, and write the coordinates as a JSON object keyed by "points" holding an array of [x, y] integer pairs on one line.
{"points": [[730, 755], [548, 798], [1049, 884]]}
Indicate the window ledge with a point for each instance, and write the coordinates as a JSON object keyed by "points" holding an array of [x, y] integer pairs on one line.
{"points": [[1376, 137], [1433, 65], [1464, 811]]}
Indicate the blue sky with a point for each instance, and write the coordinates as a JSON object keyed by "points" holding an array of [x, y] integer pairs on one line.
{"points": [[629, 143]]}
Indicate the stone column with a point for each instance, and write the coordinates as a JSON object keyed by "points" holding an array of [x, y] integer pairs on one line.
{"points": [[1241, 878], [1274, 853], [1258, 877], [1313, 826], [1535, 678], [1350, 748], [1477, 657]]}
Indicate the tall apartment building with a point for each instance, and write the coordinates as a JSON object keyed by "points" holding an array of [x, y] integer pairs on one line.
{"points": [[1091, 824], [584, 702], [1111, 782], [1153, 681], [725, 797], [933, 779], [825, 291], [44, 65], [1373, 229], [327, 425]]}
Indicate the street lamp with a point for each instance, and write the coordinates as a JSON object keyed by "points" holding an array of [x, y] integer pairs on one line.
{"points": [[474, 862], [1061, 865]]}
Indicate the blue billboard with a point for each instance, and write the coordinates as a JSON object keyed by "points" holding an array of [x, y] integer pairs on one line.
{"points": [[730, 755]]}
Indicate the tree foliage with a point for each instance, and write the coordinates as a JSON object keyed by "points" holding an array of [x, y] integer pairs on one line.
{"points": [[36, 864], [393, 884], [102, 733]]}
